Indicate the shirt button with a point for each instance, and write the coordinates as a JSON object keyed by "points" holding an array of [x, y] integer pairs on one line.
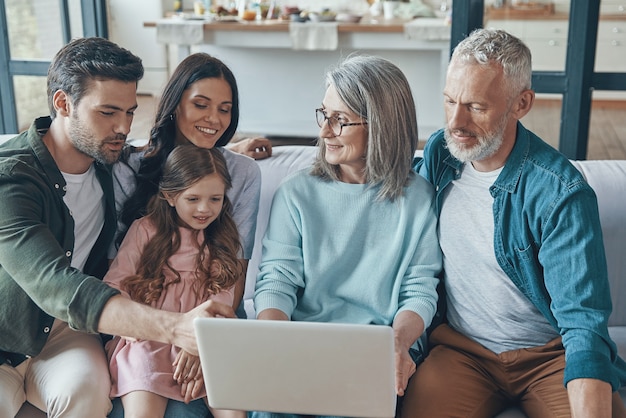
{"points": [[65, 188], [56, 186], [46, 330], [68, 253]]}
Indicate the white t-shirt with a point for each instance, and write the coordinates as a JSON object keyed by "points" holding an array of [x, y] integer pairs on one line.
{"points": [[483, 303], [83, 198]]}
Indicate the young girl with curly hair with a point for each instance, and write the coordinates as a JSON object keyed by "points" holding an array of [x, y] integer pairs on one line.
{"points": [[183, 252]]}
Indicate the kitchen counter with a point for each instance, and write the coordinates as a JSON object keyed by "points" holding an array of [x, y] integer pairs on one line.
{"points": [[186, 32], [280, 65], [279, 25]]}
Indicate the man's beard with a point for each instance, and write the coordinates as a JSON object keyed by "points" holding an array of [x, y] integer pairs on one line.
{"points": [[82, 139], [487, 146]]}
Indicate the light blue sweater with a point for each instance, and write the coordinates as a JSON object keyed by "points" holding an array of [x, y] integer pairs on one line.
{"points": [[333, 253]]}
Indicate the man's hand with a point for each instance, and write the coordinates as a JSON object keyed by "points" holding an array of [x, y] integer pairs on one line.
{"points": [[184, 335], [589, 398], [258, 148], [156, 325]]}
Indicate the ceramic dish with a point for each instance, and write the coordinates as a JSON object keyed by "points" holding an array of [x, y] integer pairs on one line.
{"points": [[322, 17], [348, 18]]}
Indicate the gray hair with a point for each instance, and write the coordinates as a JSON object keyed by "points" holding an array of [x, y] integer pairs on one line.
{"points": [[489, 46], [376, 90]]}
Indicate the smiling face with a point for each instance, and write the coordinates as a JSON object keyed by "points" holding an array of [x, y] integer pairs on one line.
{"points": [[481, 126], [98, 125], [348, 149], [204, 112], [200, 204]]}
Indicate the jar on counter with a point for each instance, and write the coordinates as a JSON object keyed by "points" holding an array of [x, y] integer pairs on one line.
{"points": [[247, 10]]}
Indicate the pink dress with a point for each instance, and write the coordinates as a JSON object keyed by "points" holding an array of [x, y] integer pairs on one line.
{"points": [[147, 365]]}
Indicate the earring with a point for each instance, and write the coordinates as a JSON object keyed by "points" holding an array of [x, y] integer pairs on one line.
{"points": [[171, 116]]}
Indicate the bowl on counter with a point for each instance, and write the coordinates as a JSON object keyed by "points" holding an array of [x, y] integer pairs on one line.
{"points": [[297, 17], [348, 17], [325, 16]]}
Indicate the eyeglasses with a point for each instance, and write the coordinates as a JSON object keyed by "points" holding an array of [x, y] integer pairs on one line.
{"points": [[333, 123]]}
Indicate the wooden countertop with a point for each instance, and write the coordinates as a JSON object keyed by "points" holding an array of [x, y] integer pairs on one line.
{"points": [[541, 12]]}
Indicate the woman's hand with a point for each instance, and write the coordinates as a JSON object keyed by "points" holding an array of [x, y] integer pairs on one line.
{"points": [[405, 367], [407, 327], [258, 148]]}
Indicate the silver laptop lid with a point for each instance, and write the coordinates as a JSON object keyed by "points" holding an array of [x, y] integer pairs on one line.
{"points": [[298, 367]]}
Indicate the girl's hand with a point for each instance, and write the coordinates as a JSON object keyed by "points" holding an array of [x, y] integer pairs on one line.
{"points": [[192, 389], [186, 368]]}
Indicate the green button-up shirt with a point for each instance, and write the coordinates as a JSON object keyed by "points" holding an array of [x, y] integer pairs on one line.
{"points": [[37, 283]]}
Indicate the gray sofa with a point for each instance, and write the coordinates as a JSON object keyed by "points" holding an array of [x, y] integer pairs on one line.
{"points": [[608, 178]]}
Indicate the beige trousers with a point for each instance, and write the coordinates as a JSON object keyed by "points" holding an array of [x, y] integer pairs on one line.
{"points": [[69, 378]]}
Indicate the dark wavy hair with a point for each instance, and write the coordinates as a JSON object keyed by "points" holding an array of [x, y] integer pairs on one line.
{"points": [[195, 67], [217, 264], [84, 60]]}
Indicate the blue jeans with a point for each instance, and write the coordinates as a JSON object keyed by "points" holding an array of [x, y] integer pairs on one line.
{"points": [[241, 312], [175, 409]]}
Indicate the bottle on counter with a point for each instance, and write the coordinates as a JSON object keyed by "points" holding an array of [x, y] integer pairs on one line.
{"points": [[376, 9], [178, 6], [272, 10], [198, 8]]}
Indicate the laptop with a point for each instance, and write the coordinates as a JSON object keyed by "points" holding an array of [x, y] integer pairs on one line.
{"points": [[298, 367]]}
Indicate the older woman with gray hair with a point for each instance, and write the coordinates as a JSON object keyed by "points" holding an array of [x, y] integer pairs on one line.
{"points": [[353, 239]]}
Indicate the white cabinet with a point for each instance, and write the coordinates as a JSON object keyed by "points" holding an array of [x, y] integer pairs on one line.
{"points": [[126, 29], [547, 40], [611, 47], [613, 8]]}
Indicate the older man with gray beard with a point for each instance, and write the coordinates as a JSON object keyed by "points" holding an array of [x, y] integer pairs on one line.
{"points": [[525, 274]]}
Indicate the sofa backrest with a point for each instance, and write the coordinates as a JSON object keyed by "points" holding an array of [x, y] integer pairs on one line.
{"points": [[608, 180], [607, 177], [285, 159]]}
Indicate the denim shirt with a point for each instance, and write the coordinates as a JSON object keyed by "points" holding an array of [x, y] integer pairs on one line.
{"points": [[548, 240]]}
